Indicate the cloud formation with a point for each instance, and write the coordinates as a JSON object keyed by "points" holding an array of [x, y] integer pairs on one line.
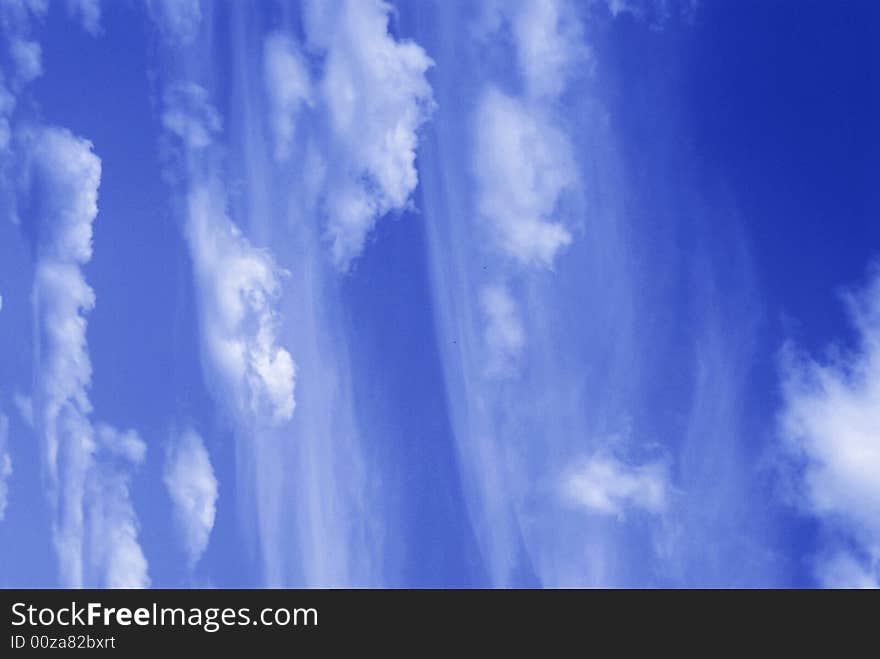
{"points": [[114, 555], [192, 486], [94, 529], [523, 165], [237, 283], [606, 486], [831, 422], [376, 96]]}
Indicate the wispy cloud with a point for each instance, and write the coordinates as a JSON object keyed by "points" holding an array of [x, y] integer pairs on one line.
{"points": [[189, 114], [288, 86], [238, 287], [495, 225], [178, 20], [831, 422], [88, 13], [27, 59], [844, 570], [540, 348], [604, 485], [337, 125], [192, 486], [5, 465], [504, 334]]}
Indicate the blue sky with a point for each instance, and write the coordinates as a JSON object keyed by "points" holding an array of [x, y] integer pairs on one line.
{"points": [[533, 293]]}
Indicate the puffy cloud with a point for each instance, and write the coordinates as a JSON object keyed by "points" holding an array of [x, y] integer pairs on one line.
{"points": [[114, 555], [88, 13], [5, 465], [192, 487], [376, 97], [94, 527], [288, 87], [504, 334], [64, 174], [238, 285], [831, 422], [178, 20], [523, 165], [67, 172], [607, 486]]}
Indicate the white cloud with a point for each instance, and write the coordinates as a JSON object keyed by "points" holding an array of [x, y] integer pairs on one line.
{"points": [[238, 285], [549, 45], [192, 487], [523, 165], [178, 20], [288, 87], [94, 527], [64, 167], [607, 486], [504, 334], [376, 96], [5, 465], [64, 173], [114, 555], [190, 116], [831, 421], [88, 13]]}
